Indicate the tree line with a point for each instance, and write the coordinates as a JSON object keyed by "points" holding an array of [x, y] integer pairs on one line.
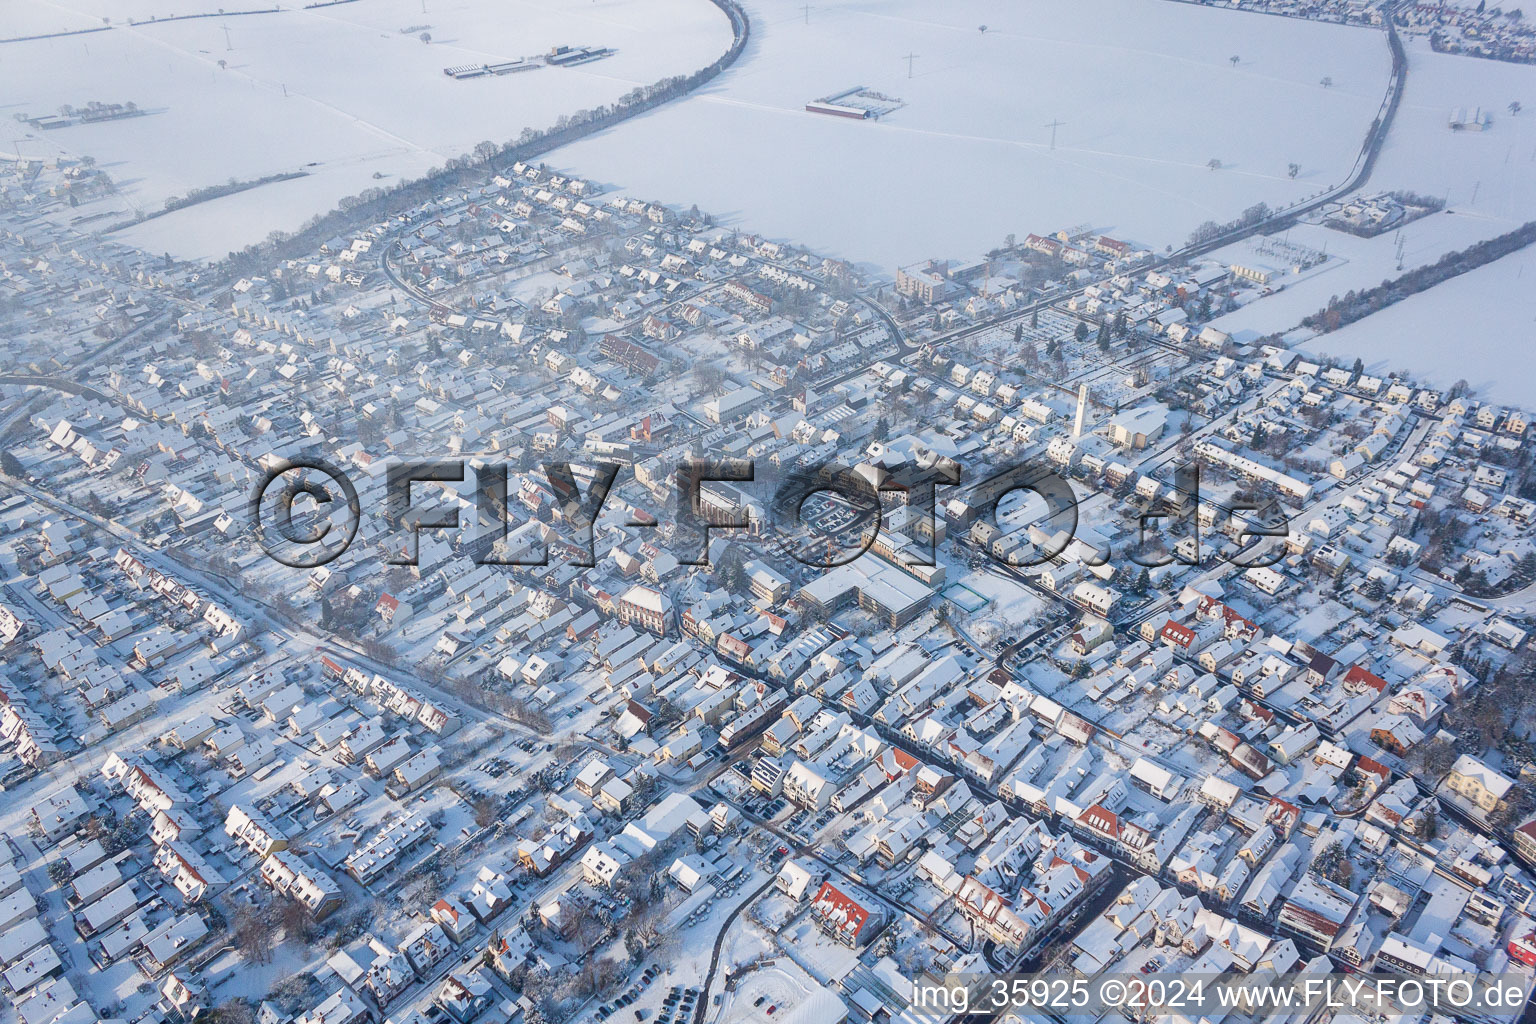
{"points": [[1356, 305]]}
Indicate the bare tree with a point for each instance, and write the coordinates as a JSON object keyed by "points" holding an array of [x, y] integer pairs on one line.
{"points": [[296, 920], [253, 935], [235, 1011]]}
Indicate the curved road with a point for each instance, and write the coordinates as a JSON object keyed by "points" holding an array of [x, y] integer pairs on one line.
{"points": [[725, 929]]}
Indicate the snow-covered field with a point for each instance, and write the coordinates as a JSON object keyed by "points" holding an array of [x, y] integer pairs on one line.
{"points": [[1472, 327], [1146, 93], [1356, 263], [339, 91], [1489, 175], [1476, 327]]}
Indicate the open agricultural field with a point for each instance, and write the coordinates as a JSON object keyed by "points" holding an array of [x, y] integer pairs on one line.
{"points": [[1476, 327], [1146, 93], [348, 93]]}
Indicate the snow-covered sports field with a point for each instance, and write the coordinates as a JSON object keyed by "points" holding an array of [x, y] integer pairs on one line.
{"points": [[1146, 92], [339, 91]]}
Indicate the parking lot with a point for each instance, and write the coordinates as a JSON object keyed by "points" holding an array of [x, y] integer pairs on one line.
{"points": [[769, 988], [619, 1007]]}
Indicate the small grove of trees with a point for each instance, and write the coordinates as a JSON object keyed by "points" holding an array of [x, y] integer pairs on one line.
{"points": [[234, 1010], [1432, 758], [296, 921], [732, 570], [296, 992], [1515, 809], [516, 708], [1255, 214], [1334, 864], [253, 931], [708, 376]]}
